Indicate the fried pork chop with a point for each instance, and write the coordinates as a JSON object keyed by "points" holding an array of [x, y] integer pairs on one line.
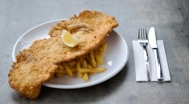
{"points": [[38, 63]]}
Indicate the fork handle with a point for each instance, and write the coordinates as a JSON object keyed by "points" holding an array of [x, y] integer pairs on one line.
{"points": [[146, 58], [148, 70], [158, 65]]}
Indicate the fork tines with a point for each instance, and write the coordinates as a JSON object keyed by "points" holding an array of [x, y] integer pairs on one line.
{"points": [[142, 34]]}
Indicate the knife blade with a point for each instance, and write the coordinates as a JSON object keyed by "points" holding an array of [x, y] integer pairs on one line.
{"points": [[153, 44]]}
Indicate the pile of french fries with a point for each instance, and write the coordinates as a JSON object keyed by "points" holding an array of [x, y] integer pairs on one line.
{"points": [[85, 65]]}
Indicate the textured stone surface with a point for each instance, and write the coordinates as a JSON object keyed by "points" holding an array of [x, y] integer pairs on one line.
{"points": [[169, 17]]}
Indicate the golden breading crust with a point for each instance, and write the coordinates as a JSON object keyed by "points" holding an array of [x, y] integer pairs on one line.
{"points": [[29, 73], [38, 63], [90, 27]]}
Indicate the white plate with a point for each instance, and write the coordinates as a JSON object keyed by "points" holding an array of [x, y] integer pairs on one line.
{"points": [[115, 57]]}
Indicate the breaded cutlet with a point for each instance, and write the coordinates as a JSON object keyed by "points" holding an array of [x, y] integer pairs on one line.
{"points": [[38, 63]]}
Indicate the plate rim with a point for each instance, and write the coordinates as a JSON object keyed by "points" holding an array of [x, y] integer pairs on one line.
{"points": [[79, 85]]}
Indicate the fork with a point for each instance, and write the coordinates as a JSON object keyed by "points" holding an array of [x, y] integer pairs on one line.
{"points": [[143, 41]]}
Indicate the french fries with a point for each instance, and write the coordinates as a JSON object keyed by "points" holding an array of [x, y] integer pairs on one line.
{"points": [[85, 65], [79, 67], [69, 72], [92, 57], [83, 70], [85, 76]]}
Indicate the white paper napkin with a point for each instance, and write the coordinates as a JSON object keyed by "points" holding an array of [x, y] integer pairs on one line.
{"points": [[140, 70]]}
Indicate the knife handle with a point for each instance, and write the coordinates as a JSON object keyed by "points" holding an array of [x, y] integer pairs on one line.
{"points": [[158, 65]]}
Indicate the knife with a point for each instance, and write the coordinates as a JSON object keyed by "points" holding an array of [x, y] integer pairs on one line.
{"points": [[153, 44]]}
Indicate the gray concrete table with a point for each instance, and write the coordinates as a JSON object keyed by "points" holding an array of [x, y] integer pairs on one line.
{"points": [[169, 17]]}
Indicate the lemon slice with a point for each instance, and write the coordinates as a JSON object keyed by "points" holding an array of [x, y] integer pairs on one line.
{"points": [[69, 39]]}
